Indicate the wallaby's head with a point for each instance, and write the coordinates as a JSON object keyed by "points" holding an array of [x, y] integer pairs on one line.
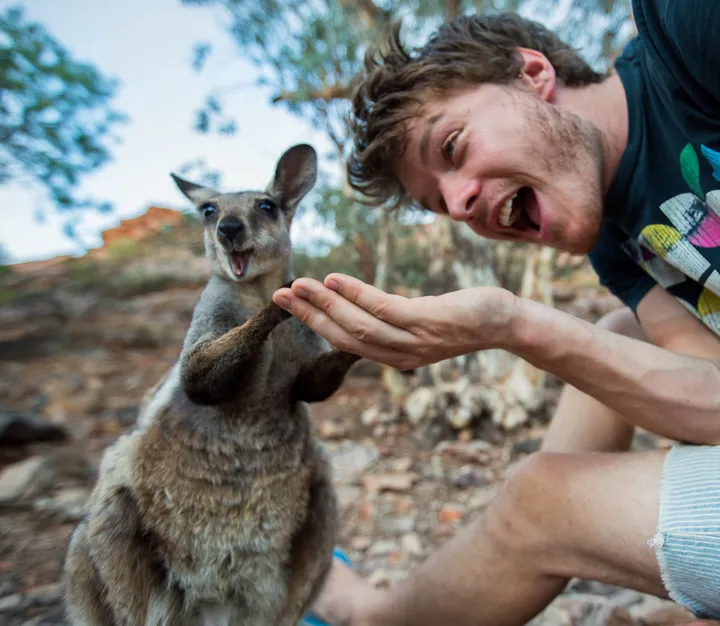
{"points": [[247, 233]]}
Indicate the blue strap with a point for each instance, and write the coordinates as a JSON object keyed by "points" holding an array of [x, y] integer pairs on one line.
{"points": [[312, 620]]}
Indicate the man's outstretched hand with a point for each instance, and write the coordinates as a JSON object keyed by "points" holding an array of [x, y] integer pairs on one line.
{"points": [[404, 333]]}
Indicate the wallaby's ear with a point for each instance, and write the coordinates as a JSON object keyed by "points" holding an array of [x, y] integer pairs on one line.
{"points": [[295, 175], [196, 193]]}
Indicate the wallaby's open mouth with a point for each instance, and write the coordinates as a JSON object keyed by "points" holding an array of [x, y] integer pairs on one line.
{"points": [[239, 262]]}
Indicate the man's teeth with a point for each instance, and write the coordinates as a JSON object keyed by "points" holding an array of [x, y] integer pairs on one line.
{"points": [[506, 212]]}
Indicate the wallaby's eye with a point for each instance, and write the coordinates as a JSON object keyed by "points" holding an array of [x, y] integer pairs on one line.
{"points": [[208, 210], [268, 207]]}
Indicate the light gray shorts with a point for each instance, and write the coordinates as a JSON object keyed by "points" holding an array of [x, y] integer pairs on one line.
{"points": [[687, 543]]}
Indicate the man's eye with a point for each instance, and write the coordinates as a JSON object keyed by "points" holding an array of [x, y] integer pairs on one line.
{"points": [[448, 147]]}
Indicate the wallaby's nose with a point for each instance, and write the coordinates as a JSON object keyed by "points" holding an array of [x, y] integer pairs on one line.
{"points": [[230, 229]]}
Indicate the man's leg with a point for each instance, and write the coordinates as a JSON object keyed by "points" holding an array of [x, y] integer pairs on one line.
{"points": [[581, 423], [559, 516]]}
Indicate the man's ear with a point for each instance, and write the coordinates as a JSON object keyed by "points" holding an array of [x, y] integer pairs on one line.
{"points": [[196, 193], [537, 73], [295, 176]]}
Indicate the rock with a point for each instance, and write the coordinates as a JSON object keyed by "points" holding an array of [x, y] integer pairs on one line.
{"points": [[442, 530], [528, 446], [609, 616], [350, 460], [450, 513], [330, 429], [403, 505], [581, 586], [373, 416], [23, 428], [375, 483], [36, 474], [476, 451], [552, 616], [412, 544], [379, 578], [39, 596], [420, 405], [360, 543], [66, 403], [347, 495], [383, 548], [469, 476], [393, 526], [459, 417], [67, 506], [403, 464], [11, 603], [16, 479]]}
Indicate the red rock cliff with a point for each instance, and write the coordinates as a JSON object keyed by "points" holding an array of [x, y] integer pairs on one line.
{"points": [[141, 227]]}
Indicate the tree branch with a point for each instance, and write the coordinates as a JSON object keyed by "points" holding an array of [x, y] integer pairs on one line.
{"points": [[328, 93], [369, 11]]}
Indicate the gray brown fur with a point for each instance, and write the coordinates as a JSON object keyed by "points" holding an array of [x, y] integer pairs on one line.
{"points": [[218, 507]]}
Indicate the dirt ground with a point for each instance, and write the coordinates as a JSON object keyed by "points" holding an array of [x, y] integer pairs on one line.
{"points": [[79, 361]]}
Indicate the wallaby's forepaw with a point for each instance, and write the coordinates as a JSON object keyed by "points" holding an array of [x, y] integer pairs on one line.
{"points": [[281, 313], [278, 313], [322, 378]]}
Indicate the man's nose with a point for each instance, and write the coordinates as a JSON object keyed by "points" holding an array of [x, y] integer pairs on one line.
{"points": [[460, 196]]}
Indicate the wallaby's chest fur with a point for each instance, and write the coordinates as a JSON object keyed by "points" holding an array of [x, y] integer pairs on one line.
{"points": [[213, 508]]}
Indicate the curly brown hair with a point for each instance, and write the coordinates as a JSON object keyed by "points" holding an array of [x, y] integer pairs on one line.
{"points": [[396, 82]]}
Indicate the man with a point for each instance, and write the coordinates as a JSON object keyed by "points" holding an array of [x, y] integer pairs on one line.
{"points": [[497, 123]]}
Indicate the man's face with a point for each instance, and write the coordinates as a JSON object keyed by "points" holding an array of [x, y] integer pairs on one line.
{"points": [[508, 163]]}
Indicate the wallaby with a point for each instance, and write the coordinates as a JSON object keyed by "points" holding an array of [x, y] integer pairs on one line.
{"points": [[218, 507]]}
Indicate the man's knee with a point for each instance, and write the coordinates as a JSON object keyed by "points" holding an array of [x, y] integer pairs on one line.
{"points": [[623, 322], [524, 515]]}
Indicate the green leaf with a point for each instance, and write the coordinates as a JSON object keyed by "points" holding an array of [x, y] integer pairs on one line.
{"points": [[56, 116]]}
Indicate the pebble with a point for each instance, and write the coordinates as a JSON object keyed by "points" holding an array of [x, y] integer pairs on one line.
{"points": [[450, 513], [412, 544], [383, 548]]}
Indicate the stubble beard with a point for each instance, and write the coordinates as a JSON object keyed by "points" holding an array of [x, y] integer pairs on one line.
{"points": [[572, 155]]}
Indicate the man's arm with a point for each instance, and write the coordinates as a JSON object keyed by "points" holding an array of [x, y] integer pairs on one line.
{"points": [[670, 386], [658, 388]]}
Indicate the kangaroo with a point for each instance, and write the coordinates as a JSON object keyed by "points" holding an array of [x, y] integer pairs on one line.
{"points": [[218, 507]]}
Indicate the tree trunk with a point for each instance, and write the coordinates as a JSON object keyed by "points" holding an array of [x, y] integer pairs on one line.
{"points": [[366, 259], [394, 382], [494, 383], [383, 264]]}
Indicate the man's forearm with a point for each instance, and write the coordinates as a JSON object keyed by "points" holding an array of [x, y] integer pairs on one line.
{"points": [[671, 394]]}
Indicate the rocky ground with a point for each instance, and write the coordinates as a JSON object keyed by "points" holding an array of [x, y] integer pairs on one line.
{"points": [[75, 362]]}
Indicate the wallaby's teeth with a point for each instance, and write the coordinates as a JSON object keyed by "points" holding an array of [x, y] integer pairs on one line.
{"points": [[506, 217]]}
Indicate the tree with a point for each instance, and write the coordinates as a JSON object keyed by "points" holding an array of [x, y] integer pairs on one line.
{"points": [[55, 118], [309, 55]]}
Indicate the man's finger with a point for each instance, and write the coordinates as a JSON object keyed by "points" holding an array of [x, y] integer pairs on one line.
{"points": [[395, 310], [359, 323], [328, 328]]}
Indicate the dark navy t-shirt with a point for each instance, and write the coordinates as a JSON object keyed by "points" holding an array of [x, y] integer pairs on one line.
{"points": [[662, 223]]}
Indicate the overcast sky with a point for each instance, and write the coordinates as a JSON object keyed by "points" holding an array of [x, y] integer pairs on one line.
{"points": [[147, 45]]}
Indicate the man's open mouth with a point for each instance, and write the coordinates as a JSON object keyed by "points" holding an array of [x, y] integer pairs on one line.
{"points": [[521, 211], [239, 262]]}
